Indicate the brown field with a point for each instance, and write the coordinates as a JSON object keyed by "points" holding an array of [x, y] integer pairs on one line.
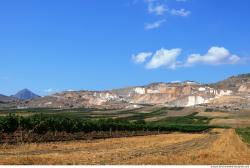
{"points": [[234, 119], [232, 122], [214, 114], [220, 146]]}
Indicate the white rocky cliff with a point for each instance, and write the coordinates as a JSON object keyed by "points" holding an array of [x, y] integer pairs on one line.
{"points": [[170, 94]]}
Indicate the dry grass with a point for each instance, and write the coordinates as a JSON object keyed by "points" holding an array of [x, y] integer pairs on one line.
{"points": [[227, 149], [214, 114], [223, 147], [87, 152], [233, 122]]}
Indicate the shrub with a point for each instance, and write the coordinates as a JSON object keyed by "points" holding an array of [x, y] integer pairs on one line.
{"points": [[69, 125], [26, 123], [10, 124], [1, 125], [41, 128], [209, 110]]}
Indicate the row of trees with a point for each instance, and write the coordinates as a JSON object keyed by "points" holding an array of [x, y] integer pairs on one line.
{"points": [[42, 124]]}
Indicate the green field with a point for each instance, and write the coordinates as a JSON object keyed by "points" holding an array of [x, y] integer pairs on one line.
{"points": [[244, 134], [75, 120], [87, 113]]}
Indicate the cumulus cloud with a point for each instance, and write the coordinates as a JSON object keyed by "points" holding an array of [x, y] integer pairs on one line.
{"points": [[234, 59], [164, 58], [181, 12], [154, 25], [214, 56], [141, 57], [168, 58]]}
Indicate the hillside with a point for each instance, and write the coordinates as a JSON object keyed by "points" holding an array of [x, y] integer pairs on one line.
{"points": [[235, 83], [228, 92], [182, 94], [5, 99]]}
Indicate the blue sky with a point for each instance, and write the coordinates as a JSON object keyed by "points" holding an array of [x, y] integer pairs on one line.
{"points": [[55, 45]]}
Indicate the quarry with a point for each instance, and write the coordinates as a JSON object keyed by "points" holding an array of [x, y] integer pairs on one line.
{"points": [[179, 95]]}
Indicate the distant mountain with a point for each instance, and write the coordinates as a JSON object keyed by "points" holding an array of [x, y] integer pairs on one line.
{"points": [[25, 94], [5, 99]]}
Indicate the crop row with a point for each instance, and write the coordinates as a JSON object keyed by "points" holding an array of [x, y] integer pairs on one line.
{"points": [[42, 124]]}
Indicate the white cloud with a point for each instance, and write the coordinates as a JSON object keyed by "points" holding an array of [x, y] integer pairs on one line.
{"points": [[234, 59], [177, 81], [161, 9], [214, 56], [164, 57], [141, 57], [157, 9], [154, 25], [50, 90], [181, 12], [168, 58], [70, 90]]}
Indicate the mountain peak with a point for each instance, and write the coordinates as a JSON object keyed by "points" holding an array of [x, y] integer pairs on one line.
{"points": [[26, 94], [25, 90]]}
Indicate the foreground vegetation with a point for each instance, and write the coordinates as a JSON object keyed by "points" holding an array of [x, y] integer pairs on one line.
{"points": [[244, 133], [42, 123], [191, 119]]}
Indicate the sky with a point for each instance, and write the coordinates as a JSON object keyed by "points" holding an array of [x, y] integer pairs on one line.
{"points": [[50, 46]]}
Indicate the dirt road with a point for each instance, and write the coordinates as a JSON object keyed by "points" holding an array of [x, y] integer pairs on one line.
{"points": [[220, 146]]}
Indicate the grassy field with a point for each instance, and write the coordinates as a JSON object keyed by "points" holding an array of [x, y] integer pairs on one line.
{"points": [[85, 113], [82, 113]]}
